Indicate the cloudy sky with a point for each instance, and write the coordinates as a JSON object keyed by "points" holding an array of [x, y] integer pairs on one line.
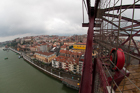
{"points": [[20, 18]]}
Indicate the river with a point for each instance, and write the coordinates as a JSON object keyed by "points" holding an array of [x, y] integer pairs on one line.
{"points": [[17, 76]]}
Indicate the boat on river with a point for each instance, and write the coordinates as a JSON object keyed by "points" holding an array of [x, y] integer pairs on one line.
{"points": [[6, 58]]}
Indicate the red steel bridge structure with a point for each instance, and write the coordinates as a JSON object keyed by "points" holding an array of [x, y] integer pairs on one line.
{"points": [[114, 26]]}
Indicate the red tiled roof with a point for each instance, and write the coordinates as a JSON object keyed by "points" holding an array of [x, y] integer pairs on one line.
{"points": [[70, 52], [64, 46], [62, 51], [69, 60]]}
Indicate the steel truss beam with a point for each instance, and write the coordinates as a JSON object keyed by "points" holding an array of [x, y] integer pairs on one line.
{"points": [[122, 17], [110, 46], [137, 6], [86, 85]]}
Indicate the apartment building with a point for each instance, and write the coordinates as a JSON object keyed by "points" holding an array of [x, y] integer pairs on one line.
{"points": [[70, 53], [45, 56], [67, 63]]}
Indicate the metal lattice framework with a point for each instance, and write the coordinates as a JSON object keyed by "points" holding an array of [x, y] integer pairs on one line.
{"points": [[112, 24]]}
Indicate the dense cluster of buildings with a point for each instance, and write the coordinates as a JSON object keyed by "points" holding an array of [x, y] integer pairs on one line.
{"points": [[70, 64], [61, 52]]}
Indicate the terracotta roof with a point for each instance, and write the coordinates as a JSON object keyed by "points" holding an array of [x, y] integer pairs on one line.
{"points": [[64, 46], [69, 60], [70, 52], [62, 51]]}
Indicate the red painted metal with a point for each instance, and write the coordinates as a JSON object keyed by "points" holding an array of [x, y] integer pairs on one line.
{"points": [[120, 58], [113, 24], [86, 81], [130, 26], [135, 25], [122, 17], [102, 75], [118, 77], [131, 37], [89, 7], [91, 70], [137, 6], [136, 46]]}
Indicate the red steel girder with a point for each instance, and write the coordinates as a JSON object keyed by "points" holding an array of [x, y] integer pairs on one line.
{"points": [[130, 26], [131, 37], [136, 46], [113, 24], [87, 25], [86, 80], [103, 77], [118, 77], [98, 35], [137, 6], [122, 17], [89, 7]]}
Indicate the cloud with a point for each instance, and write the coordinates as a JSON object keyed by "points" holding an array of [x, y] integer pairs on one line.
{"points": [[40, 17], [60, 17]]}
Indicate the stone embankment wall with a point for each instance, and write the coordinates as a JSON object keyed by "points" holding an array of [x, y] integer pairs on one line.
{"points": [[36, 66]]}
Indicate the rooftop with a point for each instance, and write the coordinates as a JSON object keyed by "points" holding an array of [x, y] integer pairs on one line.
{"points": [[69, 60], [45, 53]]}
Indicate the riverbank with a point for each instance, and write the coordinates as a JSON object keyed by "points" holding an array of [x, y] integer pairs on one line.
{"points": [[25, 78], [68, 82]]}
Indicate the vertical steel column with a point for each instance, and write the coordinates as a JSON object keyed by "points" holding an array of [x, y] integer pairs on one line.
{"points": [[128, 57], [86, 80]]}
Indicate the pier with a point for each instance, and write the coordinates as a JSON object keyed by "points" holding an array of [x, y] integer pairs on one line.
{"points": [[71, 83]]}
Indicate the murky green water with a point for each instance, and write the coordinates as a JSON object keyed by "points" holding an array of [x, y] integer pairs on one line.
{"points": [[17, 76]]}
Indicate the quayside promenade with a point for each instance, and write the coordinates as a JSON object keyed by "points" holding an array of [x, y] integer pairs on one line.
{"points": [[59, 75]]}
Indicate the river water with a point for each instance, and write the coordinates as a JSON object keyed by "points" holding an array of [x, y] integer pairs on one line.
{"points": [[17, 76]]}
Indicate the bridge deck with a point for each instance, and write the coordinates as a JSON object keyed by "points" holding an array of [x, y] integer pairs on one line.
{"points": [[127, 86], [134, 77]]}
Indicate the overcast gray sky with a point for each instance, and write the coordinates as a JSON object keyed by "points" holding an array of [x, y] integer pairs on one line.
{"points": [[20, 18]]}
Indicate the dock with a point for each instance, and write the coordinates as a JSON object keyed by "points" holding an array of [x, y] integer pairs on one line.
{"points": [[71, 83]]}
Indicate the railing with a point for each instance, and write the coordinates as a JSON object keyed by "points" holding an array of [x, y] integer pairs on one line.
{"points": [[108, 81]]}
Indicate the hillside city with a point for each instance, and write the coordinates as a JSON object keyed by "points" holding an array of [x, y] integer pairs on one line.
{"points": [[62, 56], [63, 52]]}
